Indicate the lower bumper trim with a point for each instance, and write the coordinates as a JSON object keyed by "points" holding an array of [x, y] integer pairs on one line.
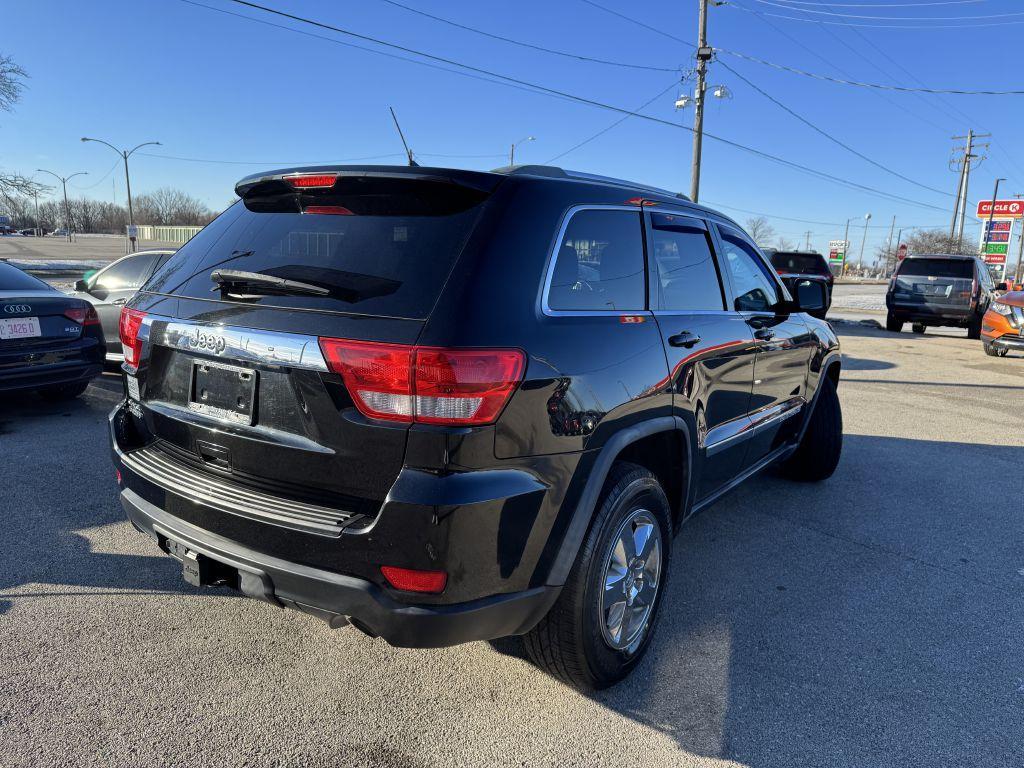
{"points": [[336, 597]]}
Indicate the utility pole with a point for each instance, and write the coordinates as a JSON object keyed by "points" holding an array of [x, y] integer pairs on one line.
{"points": [[1020, 251], [967, 161], [64, 183], [807, 244], [704, 54], [888, 247], [960, 182], [512, 151], [846, 248]]}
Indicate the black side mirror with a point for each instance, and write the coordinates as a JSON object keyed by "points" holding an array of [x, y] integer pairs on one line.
{"points": [[1001, 287], [81, 286], [809, 295]]}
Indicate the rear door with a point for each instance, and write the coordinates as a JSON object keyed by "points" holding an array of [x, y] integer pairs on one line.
{"points": [[233, 380], [784, 346], [710, 348]]}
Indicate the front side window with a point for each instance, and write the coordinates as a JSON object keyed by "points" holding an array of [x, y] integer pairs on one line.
{"points": [[600, 263], [754, 289], [686, 277]]}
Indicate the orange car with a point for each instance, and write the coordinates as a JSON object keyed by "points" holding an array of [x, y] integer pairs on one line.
{"points": [[1002, 327]]}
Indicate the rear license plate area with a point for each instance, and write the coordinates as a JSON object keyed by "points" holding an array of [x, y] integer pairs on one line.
{"points": [[226, 392], [200, 570]]}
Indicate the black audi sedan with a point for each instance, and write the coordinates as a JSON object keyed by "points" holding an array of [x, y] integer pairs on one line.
{"points": [[49, 342]]}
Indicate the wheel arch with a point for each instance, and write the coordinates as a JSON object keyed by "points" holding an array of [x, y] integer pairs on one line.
{"points": [[656, 444]]}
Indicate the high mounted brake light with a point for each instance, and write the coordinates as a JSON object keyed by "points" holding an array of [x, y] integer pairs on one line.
{"points": [[426, 385], [330, 210], [311, 180], [128, 330]]}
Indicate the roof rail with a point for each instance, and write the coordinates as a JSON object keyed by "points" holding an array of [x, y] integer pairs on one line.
{"points": [[555, 172]]}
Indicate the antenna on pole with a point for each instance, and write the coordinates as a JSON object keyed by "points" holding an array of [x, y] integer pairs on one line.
{"points": [[408, 152]]}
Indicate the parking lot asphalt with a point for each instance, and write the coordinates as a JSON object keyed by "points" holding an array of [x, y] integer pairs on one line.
{"points": [[875, 619], [92, 249]]}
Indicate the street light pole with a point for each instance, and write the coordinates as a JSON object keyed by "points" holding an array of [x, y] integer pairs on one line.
{"points": [[988, 226], [125, 154], [64, 184], [512, 151], [860, 260]]}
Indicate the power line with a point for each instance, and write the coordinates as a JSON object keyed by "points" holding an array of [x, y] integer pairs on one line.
{"points": [[100, 181], [890, 18], [579, 99], [531, 46], [639, 23], [832, 138], [884, 5], [889, 26]]}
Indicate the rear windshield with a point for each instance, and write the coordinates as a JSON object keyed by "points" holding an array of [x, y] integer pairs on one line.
{"points": [[377, 247], [801, 263], [13, 279], [961, 268]]}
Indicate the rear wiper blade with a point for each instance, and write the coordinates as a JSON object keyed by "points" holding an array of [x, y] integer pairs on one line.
{"points": [[259, 283]]}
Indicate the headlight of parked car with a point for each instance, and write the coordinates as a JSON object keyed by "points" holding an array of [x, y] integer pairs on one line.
{"points": [[998, 306]]}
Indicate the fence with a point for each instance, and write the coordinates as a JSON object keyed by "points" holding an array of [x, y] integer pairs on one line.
{"points": [[159, 234]]}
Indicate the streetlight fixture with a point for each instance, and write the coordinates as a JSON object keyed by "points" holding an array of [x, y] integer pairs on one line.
{"points": [[126, 153], [860, 260], [67, 208], [512, 152]]}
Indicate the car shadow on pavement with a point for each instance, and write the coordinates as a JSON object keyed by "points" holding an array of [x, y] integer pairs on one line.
{"points": [[819, 625], [59, 490]]}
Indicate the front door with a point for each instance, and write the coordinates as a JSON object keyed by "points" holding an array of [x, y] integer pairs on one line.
{"points": [[710, 349], [784, 341]]}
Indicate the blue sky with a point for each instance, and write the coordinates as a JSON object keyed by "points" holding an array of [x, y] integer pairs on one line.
{"points": [[211, 86]]}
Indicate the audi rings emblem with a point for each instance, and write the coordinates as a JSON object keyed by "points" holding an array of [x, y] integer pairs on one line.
{"points": [[17, 308]]}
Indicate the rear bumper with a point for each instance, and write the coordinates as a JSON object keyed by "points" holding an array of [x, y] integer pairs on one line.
{"points": [[931, 314], [332, 595], [37, 376]]}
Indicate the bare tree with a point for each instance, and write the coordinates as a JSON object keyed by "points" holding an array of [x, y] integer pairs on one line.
{"points": [[937, 241], [761, 231], [12, 83], [782, 244], [171, 206]]}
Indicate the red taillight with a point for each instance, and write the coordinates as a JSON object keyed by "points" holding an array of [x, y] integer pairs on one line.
{"points": [[329, 210], [411, 580], [83, 315], [311, 180], [128, 330], [427, 385]]}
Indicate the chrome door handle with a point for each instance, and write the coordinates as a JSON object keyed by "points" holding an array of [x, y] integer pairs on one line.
{"points": [[684, 339], [119, 301]]}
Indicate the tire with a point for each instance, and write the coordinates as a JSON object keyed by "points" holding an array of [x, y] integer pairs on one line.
{"points": [[989, 349], [893, 323], [974, 329], [917, 328], [573, 642], [64, 391], [818, 454]]}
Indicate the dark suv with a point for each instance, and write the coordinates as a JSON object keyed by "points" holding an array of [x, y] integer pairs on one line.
{"points": [[446, 405], [939, 290]]}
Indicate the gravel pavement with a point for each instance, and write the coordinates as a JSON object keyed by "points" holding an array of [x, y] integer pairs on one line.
{"points": [[875, 619]]}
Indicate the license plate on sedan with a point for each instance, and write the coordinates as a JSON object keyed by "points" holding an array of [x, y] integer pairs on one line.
{"points": [[19, 327], [223, 391]]}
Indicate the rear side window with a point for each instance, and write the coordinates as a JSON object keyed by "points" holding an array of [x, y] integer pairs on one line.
{"points": [[377, 246], [600, 263], [685, 275], [13, 279], [799, 263], [126, 274], [956, 268]]}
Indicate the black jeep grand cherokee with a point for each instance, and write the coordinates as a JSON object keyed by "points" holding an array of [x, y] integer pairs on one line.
{"points": [[446, 405]]}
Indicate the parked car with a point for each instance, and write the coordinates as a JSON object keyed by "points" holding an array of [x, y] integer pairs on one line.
{"points": [[1002, 328], [49, 342], [108, 289], [59, 233], [804, 265], [447, 405], [30, 232], [939, 290]]}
